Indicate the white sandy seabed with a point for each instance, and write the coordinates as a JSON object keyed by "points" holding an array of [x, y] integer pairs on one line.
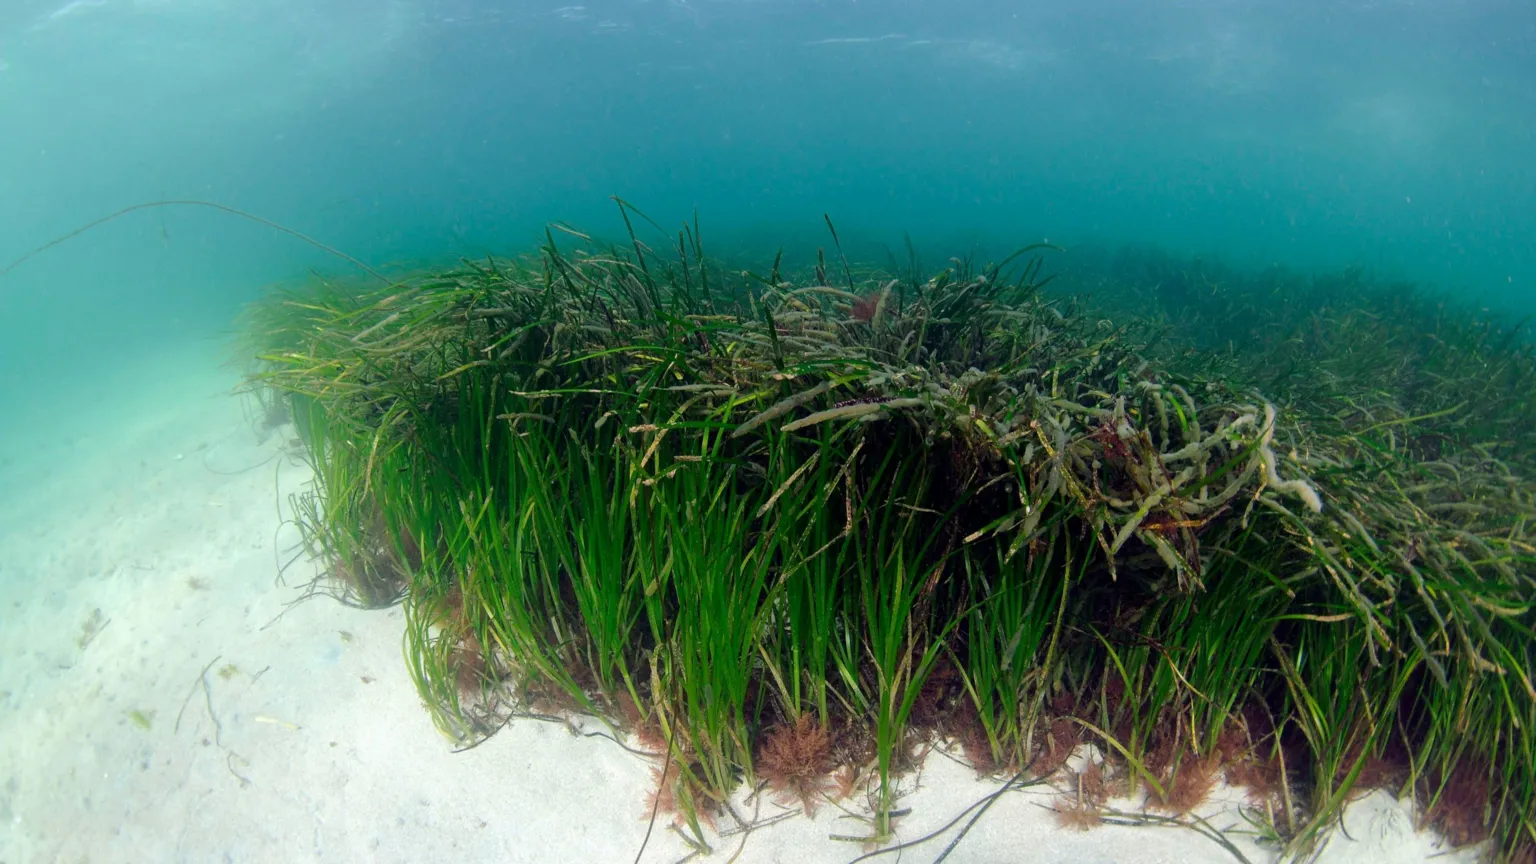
{"points": [[150, 498]]}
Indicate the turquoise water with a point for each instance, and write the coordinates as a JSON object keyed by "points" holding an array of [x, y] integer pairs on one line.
{"points": [[1396, 135]]}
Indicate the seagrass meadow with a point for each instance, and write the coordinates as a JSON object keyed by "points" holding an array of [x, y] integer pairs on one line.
{"points": [[785, 527]]}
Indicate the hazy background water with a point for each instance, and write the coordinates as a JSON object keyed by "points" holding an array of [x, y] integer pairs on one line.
{"points": [[1393, 134]]}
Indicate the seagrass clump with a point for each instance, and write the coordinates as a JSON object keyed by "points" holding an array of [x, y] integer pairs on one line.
{"points": [[817, 517]]}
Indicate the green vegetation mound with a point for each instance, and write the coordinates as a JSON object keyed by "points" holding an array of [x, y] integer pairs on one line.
{"points": [[785, 528]]}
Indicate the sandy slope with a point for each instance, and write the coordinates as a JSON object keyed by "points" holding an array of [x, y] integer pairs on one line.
{"points": [[157, 504]]}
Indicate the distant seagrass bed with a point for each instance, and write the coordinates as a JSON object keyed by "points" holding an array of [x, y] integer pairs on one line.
{"points": [[784, 527]]}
